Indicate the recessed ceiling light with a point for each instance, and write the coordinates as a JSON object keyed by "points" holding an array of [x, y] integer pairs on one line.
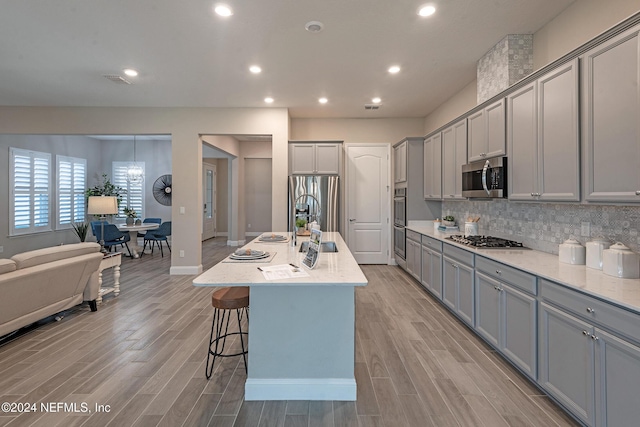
{"points": [[255, 69], [268, 100], [394, 69], [314, 26], [223, 10], [426, 10], [130, 72], [376, 100], [323, 100]]}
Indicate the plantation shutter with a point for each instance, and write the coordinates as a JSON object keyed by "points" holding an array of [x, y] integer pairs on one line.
{"points": [[72, 182], [30, 189], [134, 198]]}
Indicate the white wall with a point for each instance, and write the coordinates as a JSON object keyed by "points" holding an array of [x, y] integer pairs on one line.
{"points": [[387, 131], [185, 125]]}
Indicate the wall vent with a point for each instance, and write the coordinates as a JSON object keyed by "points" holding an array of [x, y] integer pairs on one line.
{"points": [[116, 79], [371, 106]]}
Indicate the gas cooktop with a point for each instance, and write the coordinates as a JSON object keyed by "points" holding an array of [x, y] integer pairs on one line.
{"points": [[486, 242]]}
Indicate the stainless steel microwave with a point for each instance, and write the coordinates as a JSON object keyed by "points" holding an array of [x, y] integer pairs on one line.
{"points": [[485, 178]]}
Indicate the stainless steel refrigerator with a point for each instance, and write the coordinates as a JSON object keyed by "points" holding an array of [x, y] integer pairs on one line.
{"points": [[315, 198]]}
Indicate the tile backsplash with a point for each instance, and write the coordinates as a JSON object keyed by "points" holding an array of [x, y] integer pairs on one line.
{"points": [[543, 226]]}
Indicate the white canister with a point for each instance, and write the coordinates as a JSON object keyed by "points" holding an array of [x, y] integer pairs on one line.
{"points": [[594, 252], [572, 252], [620, 261], [470, 229]]}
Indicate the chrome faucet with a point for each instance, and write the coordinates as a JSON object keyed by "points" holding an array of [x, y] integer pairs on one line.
{"points": [[316, 215]]}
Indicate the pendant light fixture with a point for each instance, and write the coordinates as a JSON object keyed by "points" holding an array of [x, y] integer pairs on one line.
{"points": [[135, 173]]}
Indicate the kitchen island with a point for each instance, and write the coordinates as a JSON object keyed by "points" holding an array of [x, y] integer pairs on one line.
{"points": [[301, 330]]}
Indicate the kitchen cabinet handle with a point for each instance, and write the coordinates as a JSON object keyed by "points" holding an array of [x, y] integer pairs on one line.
{"points": [[590, 310], [595, 338], [498, 271], [453, 265], [585, 333], [638, 193], [495, 287]]}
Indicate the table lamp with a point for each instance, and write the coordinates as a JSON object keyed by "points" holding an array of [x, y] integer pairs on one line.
{"points": [[102, 205]]}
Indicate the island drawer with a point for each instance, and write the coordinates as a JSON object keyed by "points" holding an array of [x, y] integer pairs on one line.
{"points": [[458, 254], [412, 235], [614, 318], [504, 273], [432, 243]]}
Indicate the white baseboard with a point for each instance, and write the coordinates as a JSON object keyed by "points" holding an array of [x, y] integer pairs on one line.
{"points": [[185, 270], [235, 242], [300, 389]]}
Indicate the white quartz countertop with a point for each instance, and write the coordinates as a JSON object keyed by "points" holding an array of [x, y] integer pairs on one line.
{"points": [[623, 292], [333, 268]]}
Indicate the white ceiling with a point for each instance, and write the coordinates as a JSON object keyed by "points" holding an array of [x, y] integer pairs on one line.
{"points": [[54, 53]]}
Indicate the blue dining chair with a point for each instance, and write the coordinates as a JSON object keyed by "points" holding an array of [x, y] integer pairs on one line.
{"points": [[158, 236], [113, 237], [149, 221]]}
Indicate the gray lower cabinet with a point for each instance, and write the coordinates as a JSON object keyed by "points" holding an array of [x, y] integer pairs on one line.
{"points": [[617, 381], [506, 318], [592, 371], [457, 282], [413, 254], [567, 366], [432, 266]]}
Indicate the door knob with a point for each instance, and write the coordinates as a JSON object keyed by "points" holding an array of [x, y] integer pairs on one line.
{"points": [[352, 219]]}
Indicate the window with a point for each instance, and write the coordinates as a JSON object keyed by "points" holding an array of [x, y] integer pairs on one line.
{"points": [[134, 197], [30, 191], [72, 182]]}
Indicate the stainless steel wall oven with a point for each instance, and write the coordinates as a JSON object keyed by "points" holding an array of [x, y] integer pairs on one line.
{"points": [[399, 221]]}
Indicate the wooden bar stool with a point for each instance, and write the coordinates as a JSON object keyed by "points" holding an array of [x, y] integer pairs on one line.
{"points": [[224, 301]]}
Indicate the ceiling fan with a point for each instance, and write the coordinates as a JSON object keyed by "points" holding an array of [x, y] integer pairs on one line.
{"points": [[162, 190]]}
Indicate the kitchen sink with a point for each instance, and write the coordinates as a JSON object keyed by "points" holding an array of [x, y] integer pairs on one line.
{"points": [[324, 247]]}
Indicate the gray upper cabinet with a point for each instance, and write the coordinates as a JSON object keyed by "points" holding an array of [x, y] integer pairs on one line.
{"points": [[315, 158], [542, 134], [454, 155], [486, 132], [433, 167], [400, 162], [611, 113]]}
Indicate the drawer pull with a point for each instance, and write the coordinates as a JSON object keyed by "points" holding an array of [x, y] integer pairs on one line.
{"points": [[585, 333], [638, 193], [595, 338], [590, 310], [495, 287], [498, 271]]}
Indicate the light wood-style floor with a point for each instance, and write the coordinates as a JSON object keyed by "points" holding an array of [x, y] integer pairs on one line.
{"points": [[143, 354]]}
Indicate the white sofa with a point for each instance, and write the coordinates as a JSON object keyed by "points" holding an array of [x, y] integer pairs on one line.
{"points": [[40, 283]]}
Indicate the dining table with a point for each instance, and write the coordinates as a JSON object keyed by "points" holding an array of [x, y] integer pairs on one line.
{"points": [[133, 232]]}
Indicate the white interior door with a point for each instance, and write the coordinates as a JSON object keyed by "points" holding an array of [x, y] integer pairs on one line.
{"points": [[368, 203], [209, 200]]}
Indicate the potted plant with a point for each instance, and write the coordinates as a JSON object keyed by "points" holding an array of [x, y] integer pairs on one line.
{"points": [[300, 225], [448, 221], [81, 229], [131, 215], [106, 188]]}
